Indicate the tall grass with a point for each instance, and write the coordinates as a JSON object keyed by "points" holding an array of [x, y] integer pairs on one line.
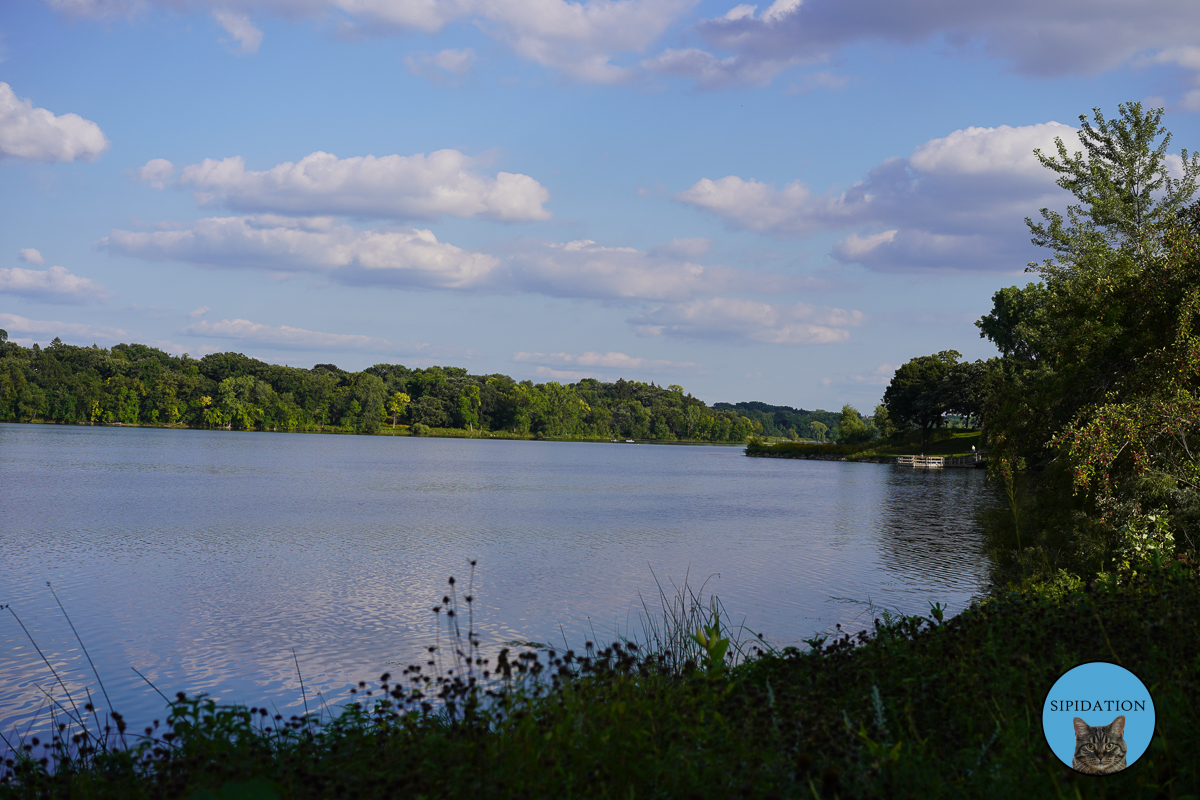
{"points": [[676, 631], [915, 707]]}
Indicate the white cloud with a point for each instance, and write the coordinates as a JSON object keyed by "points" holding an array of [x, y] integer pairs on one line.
{"points": [[54, 285], [241, 29], [957, 202], [711, 72], [399, 187], [403, 257], [578, 38], [747, 321], [199, 312], [12, 322], [445, 66], [414, 257], [156, 172], [287, 336], [32, 256], [586, 269], [36, 134], [588, 39], [610, 360]]}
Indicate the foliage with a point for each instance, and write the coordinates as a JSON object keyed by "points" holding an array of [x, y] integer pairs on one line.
{"points": [[883, 422], [918, 707], [852, 428], [1096, 394], [133, 384], [915, 397], [756, 447], [1125, 191], [785, 421]]}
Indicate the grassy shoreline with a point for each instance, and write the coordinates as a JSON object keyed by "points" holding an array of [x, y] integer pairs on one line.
{"points": [[400, 431], [918, 707], [954, 443]]}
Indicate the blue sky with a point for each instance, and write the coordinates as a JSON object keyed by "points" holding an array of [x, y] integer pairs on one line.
{"points": [[778, 203]]}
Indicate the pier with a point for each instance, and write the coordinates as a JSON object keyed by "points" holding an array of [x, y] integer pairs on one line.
{"points": [[941, 462]]}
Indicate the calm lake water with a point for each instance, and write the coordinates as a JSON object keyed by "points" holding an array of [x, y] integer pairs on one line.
{"points": [[202, 558]]}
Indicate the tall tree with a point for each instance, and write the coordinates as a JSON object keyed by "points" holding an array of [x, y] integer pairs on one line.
{"points": [[914, 396], [852, 428], [1125, 192], [1069, 342]]}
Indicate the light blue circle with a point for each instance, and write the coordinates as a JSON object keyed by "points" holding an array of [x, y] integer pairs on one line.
{"points": [[1115, 690]]}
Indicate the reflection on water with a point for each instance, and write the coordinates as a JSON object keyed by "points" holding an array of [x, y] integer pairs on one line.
{"points": [[202, 558]]}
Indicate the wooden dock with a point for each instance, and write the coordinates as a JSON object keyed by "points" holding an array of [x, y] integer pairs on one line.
{"points": [[940, 462]]}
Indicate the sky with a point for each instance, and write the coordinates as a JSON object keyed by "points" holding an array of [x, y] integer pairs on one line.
{"points": [[779, 202]]}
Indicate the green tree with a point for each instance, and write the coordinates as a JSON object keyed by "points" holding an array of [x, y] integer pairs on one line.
{"points": [[1068, 342], [852, 428], [883, 422], [368, 394], [468, 406], [428, 411], [397, 404], [914, 398], [819, 430], [1018, 324], [1125, 192], [963, 390]]}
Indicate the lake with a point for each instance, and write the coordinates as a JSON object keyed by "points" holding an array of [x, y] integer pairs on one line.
{"points": [[204, 558]]}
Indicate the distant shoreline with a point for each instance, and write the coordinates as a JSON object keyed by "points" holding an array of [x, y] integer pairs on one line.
{"points": [[435, 433]]}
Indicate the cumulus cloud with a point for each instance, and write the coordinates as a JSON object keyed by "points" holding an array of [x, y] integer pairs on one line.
{"points": [[610, 360], [400, 257], [199, 312], [32, 256], [36, 134], [77, 330], [414, 257], [748, 321], [580, 38], [956, 202], [156, 172], [287, 336], [54, 285], [1070, 37], [445, 66], [400, 187]]}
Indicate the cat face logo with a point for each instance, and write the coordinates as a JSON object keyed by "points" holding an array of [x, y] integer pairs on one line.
{"points": [[1100, 749], [1098, 718]]}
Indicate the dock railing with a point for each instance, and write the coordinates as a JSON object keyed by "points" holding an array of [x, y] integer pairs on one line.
{"points": [[938, 462]]}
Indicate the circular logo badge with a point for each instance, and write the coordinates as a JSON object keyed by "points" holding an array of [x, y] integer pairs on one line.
{"points": [[1098, 718]]}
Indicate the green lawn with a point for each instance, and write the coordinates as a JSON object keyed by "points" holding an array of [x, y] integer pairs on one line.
{"points": [[957, 442]]}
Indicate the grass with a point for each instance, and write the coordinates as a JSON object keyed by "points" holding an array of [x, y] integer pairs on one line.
{"points": [[917, 707], [947, 442], [950, 442]]}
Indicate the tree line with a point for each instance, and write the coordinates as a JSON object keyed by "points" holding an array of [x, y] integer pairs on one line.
{"points": [[135, 384]]}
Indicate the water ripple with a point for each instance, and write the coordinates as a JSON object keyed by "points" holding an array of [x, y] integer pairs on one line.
{"points": [[202, 558]]}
